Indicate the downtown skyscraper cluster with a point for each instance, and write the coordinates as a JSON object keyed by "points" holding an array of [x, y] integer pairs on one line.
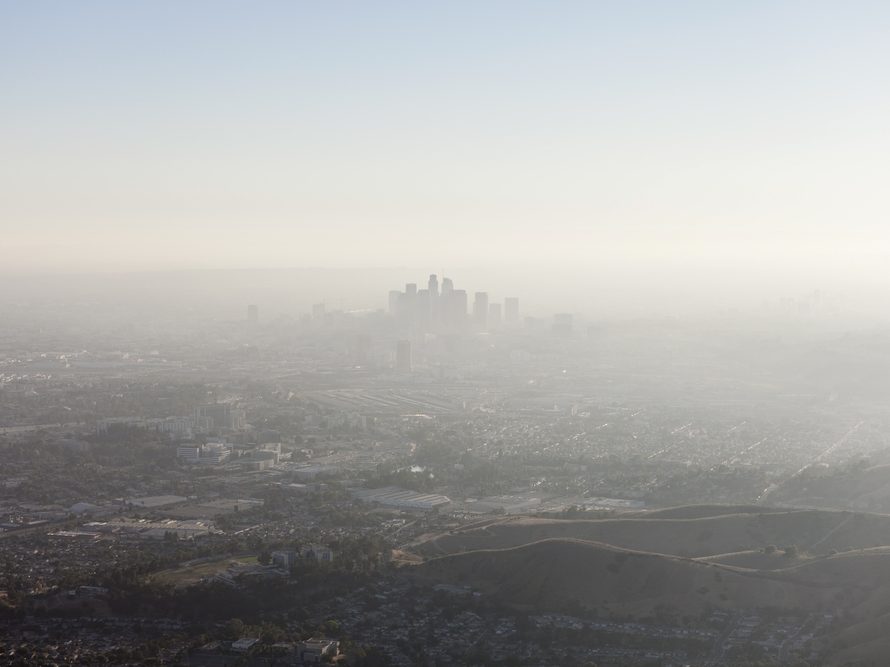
{"points": [[435, 310]]}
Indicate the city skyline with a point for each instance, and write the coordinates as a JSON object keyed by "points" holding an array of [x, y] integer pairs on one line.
{"points": [[494, 334]]}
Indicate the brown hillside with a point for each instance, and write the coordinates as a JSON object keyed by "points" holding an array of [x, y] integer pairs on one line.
{"points": [[557, 574], [816, 531], [703, 511]]}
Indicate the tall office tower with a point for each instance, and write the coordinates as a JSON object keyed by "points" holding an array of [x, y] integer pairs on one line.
{"points": [[494, 315], [403, 356], [253, 314], [562, 324], [511, 310], [394, 296], [408, 305], [432, 311], [318, 312], [444, 307], [480, 310], [422, 309], [457, 314]]}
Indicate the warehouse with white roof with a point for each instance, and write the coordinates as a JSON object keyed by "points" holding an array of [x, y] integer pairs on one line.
{"points": [[392, 496]]}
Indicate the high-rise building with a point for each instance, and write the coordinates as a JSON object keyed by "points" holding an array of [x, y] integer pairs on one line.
{"points": [[422, 310], [432, 310], [403, 356], [318, 312], [253, 314], [408, 305], [511, 310], [440, 308], [480, 310], [457, 311]]}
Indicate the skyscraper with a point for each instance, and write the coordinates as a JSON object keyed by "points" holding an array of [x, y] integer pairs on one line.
{"points": [[253, 314], [457, 310], [440, 308], [433, 311], [480, 310], [423, 310]]}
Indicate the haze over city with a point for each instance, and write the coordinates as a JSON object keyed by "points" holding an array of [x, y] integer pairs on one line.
{"points": [[492, 334]]}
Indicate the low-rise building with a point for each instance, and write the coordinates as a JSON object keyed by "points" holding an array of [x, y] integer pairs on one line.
{"points": [[284, 559], [392, 496], [317, 552], [213, 453], [244, 644], [313, 651], [190, 453]]}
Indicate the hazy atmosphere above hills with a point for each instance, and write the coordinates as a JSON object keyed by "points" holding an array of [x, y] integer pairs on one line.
{"points": [[433, 334], [694, 138]]}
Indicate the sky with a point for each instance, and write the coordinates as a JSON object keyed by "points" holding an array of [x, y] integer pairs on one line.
{"points": [[746, 137]]}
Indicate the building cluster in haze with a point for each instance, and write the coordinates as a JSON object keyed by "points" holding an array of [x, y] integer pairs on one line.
{"points": [[448, 309], [256, 467]]}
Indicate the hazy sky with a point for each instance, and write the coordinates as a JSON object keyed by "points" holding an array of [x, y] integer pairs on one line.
{"points": [[190, 134]]}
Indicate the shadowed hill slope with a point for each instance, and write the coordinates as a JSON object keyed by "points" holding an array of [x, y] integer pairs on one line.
{"points": [[562, 573], [685, 561]]}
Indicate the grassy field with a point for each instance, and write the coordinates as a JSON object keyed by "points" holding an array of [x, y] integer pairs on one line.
{"points": [[192, 574], [818, 532]]}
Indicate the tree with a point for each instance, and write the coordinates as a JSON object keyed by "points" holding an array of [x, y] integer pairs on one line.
{"points": [[235, 628]]}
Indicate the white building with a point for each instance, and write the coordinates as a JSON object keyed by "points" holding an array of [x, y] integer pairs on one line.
{"points": [[214, 453], [190, 453], [392, 496], [313, 650], [244, 644]]}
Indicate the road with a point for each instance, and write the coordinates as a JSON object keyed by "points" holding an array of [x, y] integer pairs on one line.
{"points": [[829, 450]]}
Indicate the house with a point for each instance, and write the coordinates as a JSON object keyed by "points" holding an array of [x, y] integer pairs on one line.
{"points": [[244, 644], [312, 651], [318, 553], [284, 559]]}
